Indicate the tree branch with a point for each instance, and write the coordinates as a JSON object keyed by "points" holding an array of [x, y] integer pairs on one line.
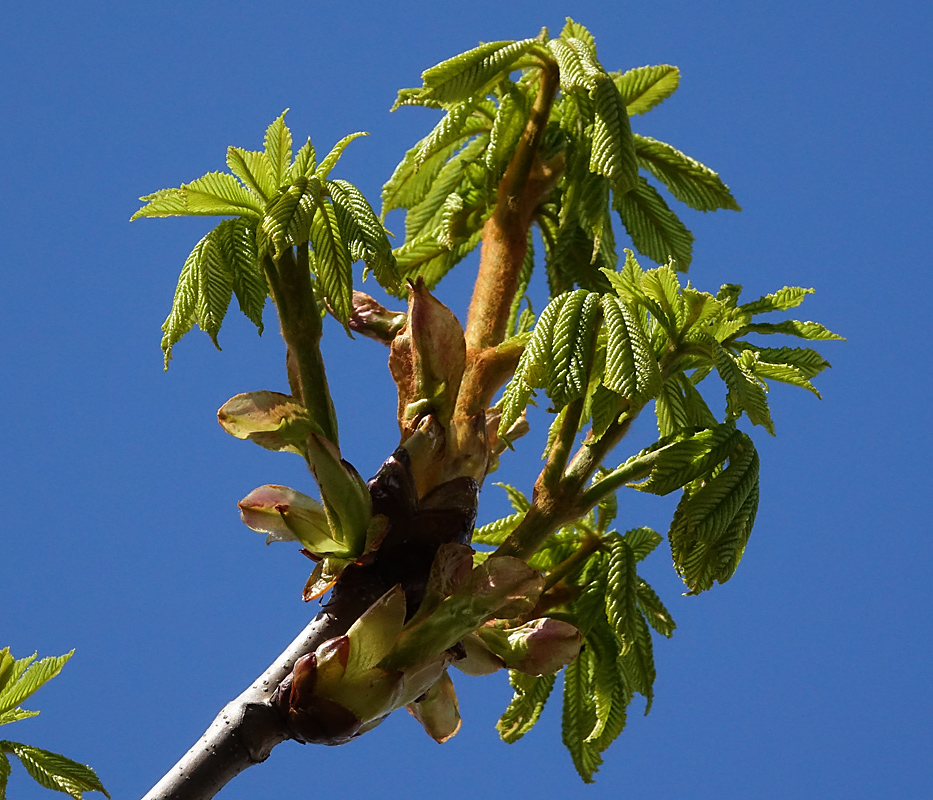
{"points": [[247, 728]]}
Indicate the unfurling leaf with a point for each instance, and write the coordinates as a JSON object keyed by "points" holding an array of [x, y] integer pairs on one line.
{"points": [[272, 420], [437, 710]]}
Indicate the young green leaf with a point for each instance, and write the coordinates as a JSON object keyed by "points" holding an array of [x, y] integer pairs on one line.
{"points": [[473, 72], [653, 610], [579, 716], [253, 169], [26, 678], [278, 143], [621, 593], [238, 245], [531, 694], [711, 525], [655, 230], [687, 179], [642, 541], [643, 88], [333, 262], [613, 151], [331, 159], [54, 771], [287, 220]]}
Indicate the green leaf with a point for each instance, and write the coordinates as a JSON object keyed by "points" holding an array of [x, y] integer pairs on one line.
{"points": [[622, 586], [679, 405], [711, 525], [531, 694], [331, 159], [288, 217], [793, 327], [697, 455], [333, 262], [16, 714], [215, 284], [572, 347], [655, 614], [781, 300], [579, 716], [411, 180], [253, 169], [238, 244], [631, 367], [643, 88], [54, 771], [375, 249], [579, 69], [507, 127], [27, 678], [221, 194], [5, 770], [806, 361], [518, 500], [745, 391], [495, 533], [278, 143], [613, 151], [460, 122], [687, 179], [163, 203], [304, 164], [474, 72], [642, 541], [638, 663], [654, 229]]}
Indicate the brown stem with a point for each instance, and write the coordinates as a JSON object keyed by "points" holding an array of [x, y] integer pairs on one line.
{"points": [[505, 235]]}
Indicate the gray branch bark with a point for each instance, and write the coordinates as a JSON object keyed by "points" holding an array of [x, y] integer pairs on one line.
{"points": [[247, 728]]}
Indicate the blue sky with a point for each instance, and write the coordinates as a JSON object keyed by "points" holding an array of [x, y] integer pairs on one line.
{"points": [[807, 675]]}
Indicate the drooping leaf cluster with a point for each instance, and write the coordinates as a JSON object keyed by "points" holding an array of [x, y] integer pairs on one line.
{"points": [[652, 339], [19, 680], [612, 353], [448, 182], [603, 596], [278, 202]]}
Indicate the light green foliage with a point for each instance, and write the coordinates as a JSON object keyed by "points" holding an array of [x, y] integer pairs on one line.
{"points": [[20, 679], [651, 338], [614, 340], [448, 182], [278, 203]]}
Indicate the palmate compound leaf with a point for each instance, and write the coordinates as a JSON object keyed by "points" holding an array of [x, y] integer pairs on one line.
{"points": [[643, 88], [653, 610], [237, 238], [473, 72], [654, 229], [54, 771], [712, 523], [688, 180]]}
